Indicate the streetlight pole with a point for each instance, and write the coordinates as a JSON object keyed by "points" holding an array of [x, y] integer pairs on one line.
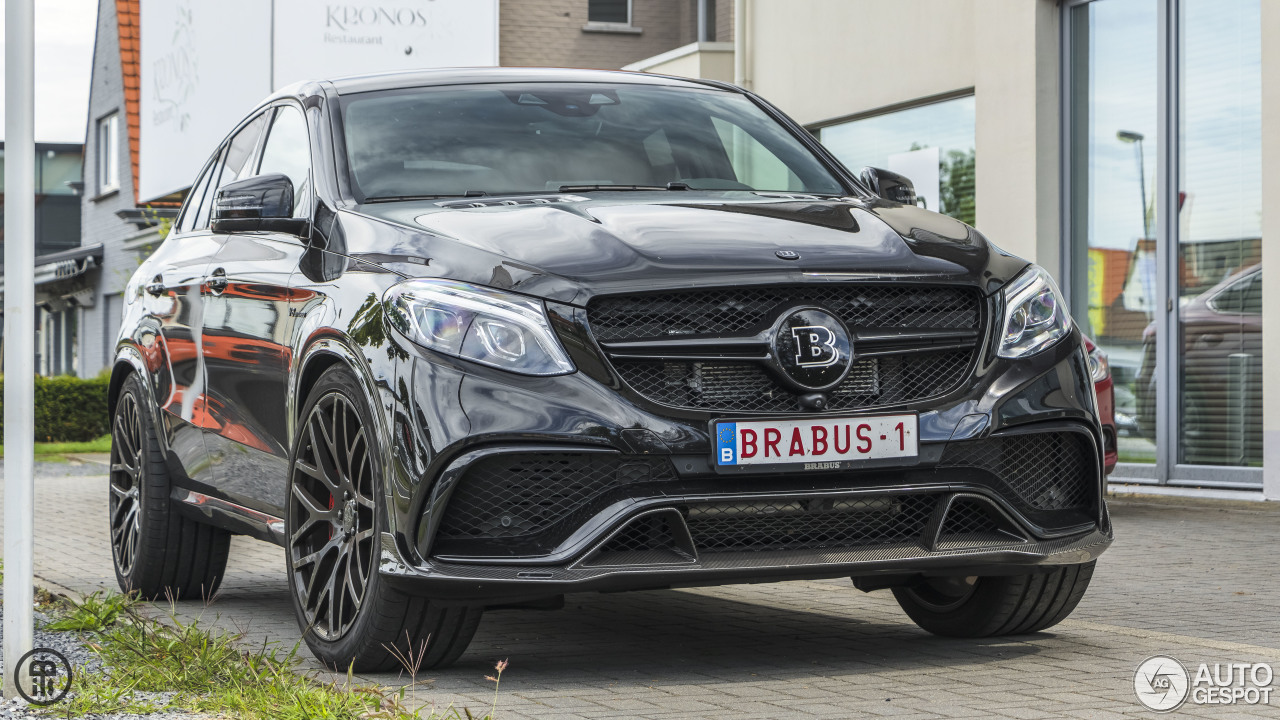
{"points": [[1130, 136], [19, 334]]}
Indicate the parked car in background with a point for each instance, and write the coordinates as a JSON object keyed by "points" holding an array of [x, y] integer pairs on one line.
{"points": [[1104, 387], [1221, 384], [477, 338]]}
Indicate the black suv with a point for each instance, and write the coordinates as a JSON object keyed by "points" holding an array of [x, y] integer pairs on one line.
{"points": [[472, 338]]}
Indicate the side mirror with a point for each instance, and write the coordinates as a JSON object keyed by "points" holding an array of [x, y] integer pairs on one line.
{"points": [[257, 204], [889, 185]]}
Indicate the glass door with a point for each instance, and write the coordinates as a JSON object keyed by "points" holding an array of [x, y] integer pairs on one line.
{"points": [[1219, 271], [1162, 147], [1113, 133]]}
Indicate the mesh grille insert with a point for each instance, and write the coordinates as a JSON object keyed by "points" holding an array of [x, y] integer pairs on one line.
{"points": [[1044, 471], [739, 310], [969, 517], [807, 524], [747, 387], [650, 539], [522, 495]]}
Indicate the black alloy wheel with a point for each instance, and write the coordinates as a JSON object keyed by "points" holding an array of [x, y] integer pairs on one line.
{"points": [[127, 458], [350, 617], [157, 551], [331, 507]]}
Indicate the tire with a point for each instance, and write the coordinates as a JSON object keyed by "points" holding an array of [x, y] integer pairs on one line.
{"points": [[333, 524], [997, 605], [157, 552]]}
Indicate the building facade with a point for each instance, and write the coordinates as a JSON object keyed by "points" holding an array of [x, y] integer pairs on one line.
{"points": [[63, 269]]}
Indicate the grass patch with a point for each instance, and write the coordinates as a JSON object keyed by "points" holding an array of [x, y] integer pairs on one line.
{"points": [[96, 613], [101, 445], [149, 665]]}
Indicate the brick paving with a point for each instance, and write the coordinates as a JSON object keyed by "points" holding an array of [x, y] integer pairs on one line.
{"points": [[1194, 581]]}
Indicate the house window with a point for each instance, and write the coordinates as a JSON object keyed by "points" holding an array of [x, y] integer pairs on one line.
{"points": [[108, 158], [706, 20], [609, 11]]}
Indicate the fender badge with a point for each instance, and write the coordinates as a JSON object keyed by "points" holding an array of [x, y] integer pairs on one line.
{"points": [[787, 254]]}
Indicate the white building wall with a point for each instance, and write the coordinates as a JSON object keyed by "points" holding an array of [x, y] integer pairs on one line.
{"points": [[1271, 245], [820, 60]]}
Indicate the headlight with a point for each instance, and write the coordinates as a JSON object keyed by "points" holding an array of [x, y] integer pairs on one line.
{"points": [[1099, 365], [487, 326], [1034, 316]]}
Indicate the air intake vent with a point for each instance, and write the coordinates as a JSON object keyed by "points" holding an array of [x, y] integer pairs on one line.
{"points": [[808, 523], [535, 497], [972, 522], [657, 538], [1045, 471]]}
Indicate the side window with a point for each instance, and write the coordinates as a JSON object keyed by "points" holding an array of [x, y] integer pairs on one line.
{"points": [[288, 151], [235, 160], [1253, 296], [206, 201], [191, 209]]}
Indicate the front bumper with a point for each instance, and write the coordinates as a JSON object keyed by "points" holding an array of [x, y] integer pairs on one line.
{"points": [[679, 523]]}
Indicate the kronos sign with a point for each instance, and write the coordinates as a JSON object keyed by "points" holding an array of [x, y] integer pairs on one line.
{"points": [[205, 63]]}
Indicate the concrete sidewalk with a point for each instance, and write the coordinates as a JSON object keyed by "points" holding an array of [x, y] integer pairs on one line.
{"points": [[1193, 581]]}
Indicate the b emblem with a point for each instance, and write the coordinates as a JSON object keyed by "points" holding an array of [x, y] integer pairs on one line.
{"points": [[812, 349], [815, 346]]}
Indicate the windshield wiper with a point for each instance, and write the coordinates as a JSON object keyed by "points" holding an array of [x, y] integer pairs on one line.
{"points": [[611, 188], [400, 198]]}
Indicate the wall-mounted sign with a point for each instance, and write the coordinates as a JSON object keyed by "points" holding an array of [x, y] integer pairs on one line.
{"points": [[206, 63]]}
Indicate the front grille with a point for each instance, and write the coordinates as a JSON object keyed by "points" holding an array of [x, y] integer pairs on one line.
{"points": [[747, 387], [807, 524], [528, 495], [735, 311], [905, 370], [1043, 471]]}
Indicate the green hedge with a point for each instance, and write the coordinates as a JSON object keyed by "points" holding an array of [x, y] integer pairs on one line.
{"points": [[68, 409]]}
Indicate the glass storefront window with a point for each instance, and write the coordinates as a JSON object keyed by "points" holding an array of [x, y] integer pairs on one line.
{"points": [[1113, 70], [1210, 254], [913, 142], [1220, 239]]}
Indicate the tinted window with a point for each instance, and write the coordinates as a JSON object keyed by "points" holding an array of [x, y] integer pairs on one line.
{"points": [[288, 152], [535, 138], [196, 199], [206, 202], [1242, 296], [235, 161]]}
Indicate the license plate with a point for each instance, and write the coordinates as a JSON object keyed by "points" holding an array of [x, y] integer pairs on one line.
{"points": [[821, 444]]}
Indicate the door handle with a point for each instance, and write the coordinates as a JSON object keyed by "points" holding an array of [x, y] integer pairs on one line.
{"points": [[155, 288], [218, 281]]}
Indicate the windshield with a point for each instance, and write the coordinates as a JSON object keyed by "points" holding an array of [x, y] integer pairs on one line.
{"points": [[539, 138]]}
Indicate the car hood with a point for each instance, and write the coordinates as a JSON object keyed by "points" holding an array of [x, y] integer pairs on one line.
{"points": [[568, 248]]}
